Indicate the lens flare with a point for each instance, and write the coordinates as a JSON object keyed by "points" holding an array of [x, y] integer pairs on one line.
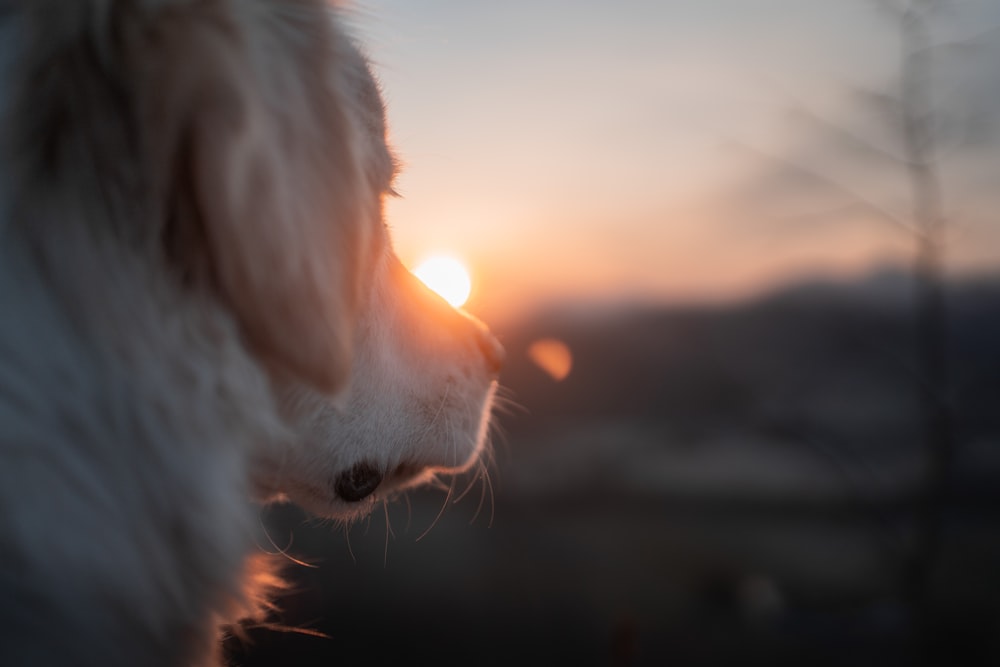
{"points": [[552, 356], [446, 276]]}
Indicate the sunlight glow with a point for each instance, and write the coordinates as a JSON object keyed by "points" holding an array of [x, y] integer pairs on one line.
{"points": [[446, 276], [552, 356]]}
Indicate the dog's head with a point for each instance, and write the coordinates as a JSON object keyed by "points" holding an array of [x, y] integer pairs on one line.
{"points": [[253, 134], [422, 374], [384, 383]]}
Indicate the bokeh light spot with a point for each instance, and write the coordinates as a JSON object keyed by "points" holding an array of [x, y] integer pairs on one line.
{"points": [[552, 356]]}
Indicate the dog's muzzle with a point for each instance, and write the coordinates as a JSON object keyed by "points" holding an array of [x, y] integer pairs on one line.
{"points": [[493, 352]]}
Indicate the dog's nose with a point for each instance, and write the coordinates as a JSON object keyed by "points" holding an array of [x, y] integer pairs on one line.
{"points": [[492, 351], [358, 482]]}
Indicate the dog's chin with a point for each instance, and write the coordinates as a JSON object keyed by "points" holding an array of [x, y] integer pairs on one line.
{"points": [[329, 504], [361, 471], [367, 475]]}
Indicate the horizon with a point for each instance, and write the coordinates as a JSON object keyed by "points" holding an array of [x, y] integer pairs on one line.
{"points": [[589, 305], [650, 152]]}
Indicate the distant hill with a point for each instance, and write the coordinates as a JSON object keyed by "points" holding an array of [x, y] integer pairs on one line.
{"points": [[820, 364]]}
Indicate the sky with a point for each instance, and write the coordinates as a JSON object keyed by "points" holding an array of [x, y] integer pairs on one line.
{"points": [[591, 151]]}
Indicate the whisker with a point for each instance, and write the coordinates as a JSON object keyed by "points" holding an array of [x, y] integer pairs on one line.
{"points": [[347, 538], [409, 511], [437, 483], [278, 627], [452, 448], [482, 494], [497, 433], [493, 498], [388, 530], [438, 412], [438, 517], [468, 487], [494, 435], [493, 502], [388, 520], [505, 404], [278, 550], [511, 407]]}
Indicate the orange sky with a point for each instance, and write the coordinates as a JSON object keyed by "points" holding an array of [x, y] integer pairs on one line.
{"points": [[584, 150]]}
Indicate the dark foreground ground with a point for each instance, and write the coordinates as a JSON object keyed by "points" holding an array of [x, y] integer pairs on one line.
{"points": [[723, 486]]}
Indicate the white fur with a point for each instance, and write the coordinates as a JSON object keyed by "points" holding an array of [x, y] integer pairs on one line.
{"points": [[419, 402], [201, 308]]}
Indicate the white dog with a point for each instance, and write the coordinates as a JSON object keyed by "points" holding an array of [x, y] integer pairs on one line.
{"points": [[200, 308]]}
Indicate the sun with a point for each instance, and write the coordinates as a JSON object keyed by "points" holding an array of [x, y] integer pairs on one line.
{"points": [[446, 276]]}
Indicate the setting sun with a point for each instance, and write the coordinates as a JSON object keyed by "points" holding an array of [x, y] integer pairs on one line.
{"points": [[446, 276]]}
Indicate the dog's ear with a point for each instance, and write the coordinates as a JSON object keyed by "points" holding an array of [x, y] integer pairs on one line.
{"points": [[256, 159]]}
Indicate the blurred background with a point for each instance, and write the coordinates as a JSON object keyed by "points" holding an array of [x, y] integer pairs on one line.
{"points": [[744, 258]]}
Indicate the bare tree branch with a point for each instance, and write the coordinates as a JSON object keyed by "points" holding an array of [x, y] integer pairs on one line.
{"points": [[855, 200], [891, 8], [864, 148]]}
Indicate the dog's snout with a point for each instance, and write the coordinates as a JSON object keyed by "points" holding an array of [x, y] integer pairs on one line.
{"points": [[358, 482], [492, 350]]}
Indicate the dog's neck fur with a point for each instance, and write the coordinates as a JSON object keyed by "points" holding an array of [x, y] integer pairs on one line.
{"points": [[120, 453], [125, 471]]}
